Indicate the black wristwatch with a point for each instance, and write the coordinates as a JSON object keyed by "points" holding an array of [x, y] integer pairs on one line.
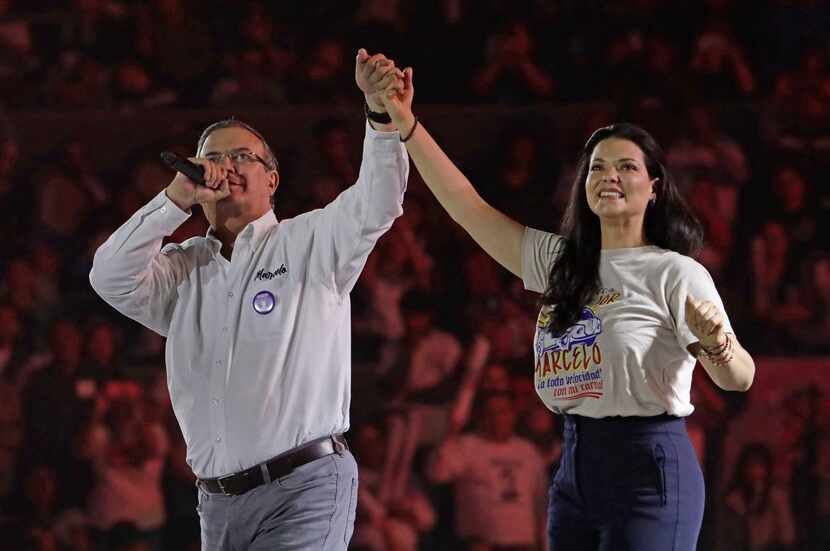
{"points": [[374, 116]]}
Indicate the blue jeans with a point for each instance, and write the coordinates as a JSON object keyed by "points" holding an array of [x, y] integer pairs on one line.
{"points": [[626, 484], [311, 509]]}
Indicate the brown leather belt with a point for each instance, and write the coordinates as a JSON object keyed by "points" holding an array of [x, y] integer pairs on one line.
{"points": [[238, 483]]}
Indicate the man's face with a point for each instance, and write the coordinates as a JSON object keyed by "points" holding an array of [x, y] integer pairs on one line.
{"points": [[67, 344], [251, 196], [499, 417]]}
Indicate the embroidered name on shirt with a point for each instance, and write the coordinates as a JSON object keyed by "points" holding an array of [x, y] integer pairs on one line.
{"points": [[263, 274]]}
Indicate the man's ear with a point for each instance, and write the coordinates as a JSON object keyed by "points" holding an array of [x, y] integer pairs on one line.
{"points": [[275, 181]]}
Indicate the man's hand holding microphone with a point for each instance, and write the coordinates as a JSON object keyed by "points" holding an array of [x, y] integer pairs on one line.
{"points": [[185, 192]]}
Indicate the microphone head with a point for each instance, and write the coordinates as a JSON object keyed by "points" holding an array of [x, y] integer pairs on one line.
{"points": [[168, 157]]}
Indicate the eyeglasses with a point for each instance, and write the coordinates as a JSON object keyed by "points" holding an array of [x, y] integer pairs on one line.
{"points": [[238, 157]]}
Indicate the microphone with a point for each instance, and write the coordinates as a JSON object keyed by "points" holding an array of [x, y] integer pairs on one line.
{"points": [[193, 171]]}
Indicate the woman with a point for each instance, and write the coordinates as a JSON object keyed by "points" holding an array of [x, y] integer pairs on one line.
{"points": [[625, 315], [756, 515]]}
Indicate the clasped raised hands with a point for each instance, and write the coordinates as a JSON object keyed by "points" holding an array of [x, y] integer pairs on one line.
{"points": [[375, 75]]}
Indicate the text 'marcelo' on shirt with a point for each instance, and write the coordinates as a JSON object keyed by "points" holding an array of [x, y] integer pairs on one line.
{"points": [[626, 356]]}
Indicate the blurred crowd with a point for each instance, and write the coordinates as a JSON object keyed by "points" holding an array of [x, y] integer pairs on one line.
{"points": [[455, 451]]}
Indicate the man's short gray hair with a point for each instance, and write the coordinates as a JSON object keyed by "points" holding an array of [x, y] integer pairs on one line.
{"points": [[270, 158]]}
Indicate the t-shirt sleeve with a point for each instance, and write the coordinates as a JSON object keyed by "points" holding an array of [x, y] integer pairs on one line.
{"points": [[692, 277], [538, 252]]}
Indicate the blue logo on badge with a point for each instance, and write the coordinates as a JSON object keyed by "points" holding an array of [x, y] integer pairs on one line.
{"points": [[264, 302]]}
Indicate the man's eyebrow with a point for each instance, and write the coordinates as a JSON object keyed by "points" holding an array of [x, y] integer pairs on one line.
{"points": [[235, 150]]}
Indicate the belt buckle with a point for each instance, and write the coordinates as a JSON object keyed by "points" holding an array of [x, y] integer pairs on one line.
{"points": [[222, 486]]}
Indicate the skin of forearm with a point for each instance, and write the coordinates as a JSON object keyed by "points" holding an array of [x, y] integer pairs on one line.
{"points": [[459, 198], [737, 375], [485, 79], [744, 76], [499, 236], [541, 84], [452, 191]]}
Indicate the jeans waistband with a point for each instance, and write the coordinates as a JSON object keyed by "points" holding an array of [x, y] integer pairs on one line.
{"points": [[616, 427]]}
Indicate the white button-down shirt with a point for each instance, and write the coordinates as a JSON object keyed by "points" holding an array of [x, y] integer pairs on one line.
{"points": [[250, 379]]}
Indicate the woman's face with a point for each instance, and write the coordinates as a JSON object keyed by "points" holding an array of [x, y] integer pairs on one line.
{"points": [[618, 184]]}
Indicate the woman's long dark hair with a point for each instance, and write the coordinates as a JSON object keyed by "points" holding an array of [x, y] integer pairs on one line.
{"points": [[669, 223]]}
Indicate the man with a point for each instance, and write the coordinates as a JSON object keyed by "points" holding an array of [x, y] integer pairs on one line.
{"points": [[256, 316], [386, 525], [498, 481]]}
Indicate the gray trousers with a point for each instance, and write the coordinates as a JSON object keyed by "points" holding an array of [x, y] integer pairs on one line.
{"points": [[311, 509]]}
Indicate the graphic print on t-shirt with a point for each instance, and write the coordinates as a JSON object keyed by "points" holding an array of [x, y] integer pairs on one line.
{"points": [[569, 364]]}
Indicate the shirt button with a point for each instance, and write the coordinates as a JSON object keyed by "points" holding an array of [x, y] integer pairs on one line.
{"points": [[218, 362], [218, 438], [163, 210], [230, 294], [215, 401]]}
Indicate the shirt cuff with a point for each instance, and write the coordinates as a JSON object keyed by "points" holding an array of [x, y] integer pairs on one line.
{"points": [[380, 134], [164, 213], [384, 142]]}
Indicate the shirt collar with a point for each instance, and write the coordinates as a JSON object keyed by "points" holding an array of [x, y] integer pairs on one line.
{"points": [[251, 235]]}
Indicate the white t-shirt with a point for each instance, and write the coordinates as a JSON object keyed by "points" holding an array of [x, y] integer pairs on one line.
{"points": [[127, 493], [498, 487], [627, 354]]}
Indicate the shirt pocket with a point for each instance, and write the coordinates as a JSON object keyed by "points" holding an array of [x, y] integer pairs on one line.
{"points": [[263, 312]]}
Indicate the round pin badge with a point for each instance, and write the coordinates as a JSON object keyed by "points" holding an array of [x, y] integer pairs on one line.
{"points": [[264, 302]]}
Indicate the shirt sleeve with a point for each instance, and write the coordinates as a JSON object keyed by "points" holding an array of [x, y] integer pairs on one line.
{"points": [[692, 277], [538, 253], [348, 227], [132, 274]]}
